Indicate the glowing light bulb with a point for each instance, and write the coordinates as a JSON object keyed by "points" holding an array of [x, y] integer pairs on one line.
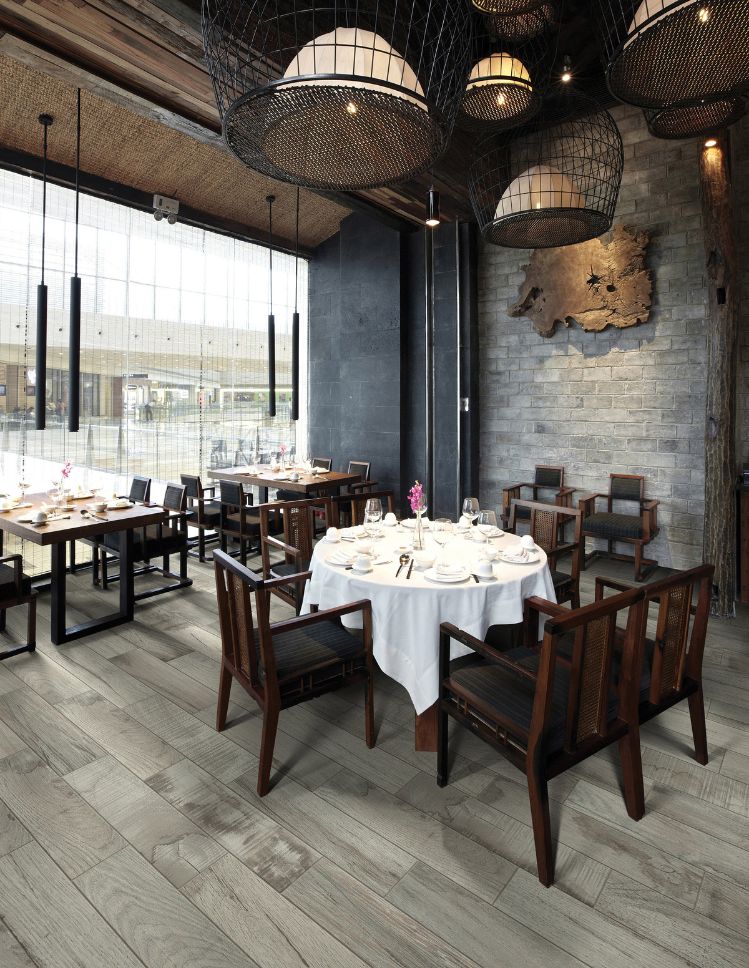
{"points": [[351, 107], [566, 77], [501, 100], [704, 15], [711, 142]]}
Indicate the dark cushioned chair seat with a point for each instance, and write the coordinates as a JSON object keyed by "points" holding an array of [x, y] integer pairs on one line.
{"points": [[317, 644], [211, 512], [560, 578], [603, 524], [232, 523], [283, 568], [171, 541], [7, 583]]}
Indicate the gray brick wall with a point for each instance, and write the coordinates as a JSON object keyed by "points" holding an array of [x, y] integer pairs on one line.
{"points": [[623, 400]]}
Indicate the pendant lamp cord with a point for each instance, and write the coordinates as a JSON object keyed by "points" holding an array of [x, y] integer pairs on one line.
{"points": [[77, 175], [296, 257], [44, 200]]}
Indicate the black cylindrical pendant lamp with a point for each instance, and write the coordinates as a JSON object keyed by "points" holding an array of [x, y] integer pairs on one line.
{"points": [[433, 209], [74, 358], [271, 318], [295, 325], [40, 394]]}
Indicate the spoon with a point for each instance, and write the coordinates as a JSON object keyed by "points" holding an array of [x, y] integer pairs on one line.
{"points": [[404, 559]]}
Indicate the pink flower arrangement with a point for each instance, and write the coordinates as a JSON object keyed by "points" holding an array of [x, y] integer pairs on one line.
{"points": [[282, 449], [66, 469], [417, 498]]}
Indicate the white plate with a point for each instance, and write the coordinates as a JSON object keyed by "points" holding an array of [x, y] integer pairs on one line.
{"points": [[411, 523], [113, 506], [533, 557], [494, 533], [82, 497], [431, 575], [16, 507]]}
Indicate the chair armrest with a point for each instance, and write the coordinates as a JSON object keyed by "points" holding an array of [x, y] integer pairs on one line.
{"points": [[286, 580], [649, 505], [210, 488], [587, 505], [544, 607], [363, 605], [487, 651], [620, 586], [362, 485], [276, 543], [564, 491], [17, 562]]}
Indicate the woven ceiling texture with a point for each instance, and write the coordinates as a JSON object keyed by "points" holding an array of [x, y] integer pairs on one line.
{"points": [[140, 153]]}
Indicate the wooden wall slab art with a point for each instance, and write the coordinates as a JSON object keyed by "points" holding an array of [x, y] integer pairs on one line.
{"points": [[600, 283]]}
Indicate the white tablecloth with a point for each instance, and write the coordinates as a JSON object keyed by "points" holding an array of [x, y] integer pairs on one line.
{"points": [[406, 613]]}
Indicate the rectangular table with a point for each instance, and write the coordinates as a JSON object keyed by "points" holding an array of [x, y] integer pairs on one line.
{"points": [[56, 535], [263, 478]]}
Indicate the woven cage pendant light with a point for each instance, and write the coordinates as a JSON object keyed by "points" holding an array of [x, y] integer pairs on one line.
{"points": [[500, 91], [338, 95], [522, 26], [675, 53], [553, 182], [40, 392], [699, 119]]}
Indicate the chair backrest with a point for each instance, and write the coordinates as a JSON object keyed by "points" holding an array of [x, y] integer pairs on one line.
{"points": [[545, 520], [679, 642], [626, 487], [232, 494], [140, 489], [193, 486], [298, 523], [358, 504], [548, 476], [235, 586], [595, 696], [324, 463], [360, 467], [175, 497]]}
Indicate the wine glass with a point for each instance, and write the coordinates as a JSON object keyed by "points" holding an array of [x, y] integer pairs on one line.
{"points": [[470, 509], [441, 530], [373, 517], [487, 523]]}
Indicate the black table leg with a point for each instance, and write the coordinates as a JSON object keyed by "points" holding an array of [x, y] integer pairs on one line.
{"points": [[57, 592], [127, 581]]}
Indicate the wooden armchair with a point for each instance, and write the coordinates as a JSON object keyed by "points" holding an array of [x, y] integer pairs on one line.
{"points": [[139, 493], [545, 478], [298, 523], [162, 540], [672, 665], [289, 662], [546, 714], [636, 529], [239, 520], [206, 513], [353, 505], [547, 523], [15, 589]]}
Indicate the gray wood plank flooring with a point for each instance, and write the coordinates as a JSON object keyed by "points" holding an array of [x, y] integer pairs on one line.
{"points": [[131, 835]]}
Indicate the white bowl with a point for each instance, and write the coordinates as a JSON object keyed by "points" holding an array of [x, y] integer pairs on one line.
{"points": [[423, 559]]}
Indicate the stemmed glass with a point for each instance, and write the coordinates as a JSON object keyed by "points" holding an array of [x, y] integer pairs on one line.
{"points": [[441, 531], [373, 517], [470, 509], [487, 523]]}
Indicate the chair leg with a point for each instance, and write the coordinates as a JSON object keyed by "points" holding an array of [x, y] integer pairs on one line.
{"points": [[539, 798], [95, 565], [697, 715], [638, 562], [369, 731], [201, 544], [183, 565], [31, 625], [634, 794], [104, 570], [224, 691], [442, 738], [3, 620], [270, 724], [583, 564]]}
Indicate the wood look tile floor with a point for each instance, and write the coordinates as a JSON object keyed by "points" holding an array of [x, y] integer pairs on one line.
{"points": [[131, 834]]}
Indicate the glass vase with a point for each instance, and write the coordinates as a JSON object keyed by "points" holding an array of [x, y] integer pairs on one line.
{"points": [[419, 533]]}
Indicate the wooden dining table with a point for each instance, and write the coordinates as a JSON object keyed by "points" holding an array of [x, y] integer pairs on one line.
{"points": [[264, 478], [73, 526]]}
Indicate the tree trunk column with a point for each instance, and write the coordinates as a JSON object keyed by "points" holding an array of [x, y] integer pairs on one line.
{"points": [[719, 546]]}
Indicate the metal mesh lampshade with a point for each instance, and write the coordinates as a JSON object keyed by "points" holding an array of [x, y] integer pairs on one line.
{"points": [[499, 91], [522, 26], [338, 95], [554, 183], [700, 119], [505, 8], [675, 53]]}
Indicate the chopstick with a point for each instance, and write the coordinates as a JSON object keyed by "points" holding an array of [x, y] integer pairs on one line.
{"points": [[410, 568]]}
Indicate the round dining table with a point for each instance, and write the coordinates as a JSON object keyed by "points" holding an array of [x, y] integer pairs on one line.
{"points": [[407, 611]]}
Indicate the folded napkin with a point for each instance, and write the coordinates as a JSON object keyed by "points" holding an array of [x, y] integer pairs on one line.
{"points": [[447, 568], [519, 553], [341, 557]]}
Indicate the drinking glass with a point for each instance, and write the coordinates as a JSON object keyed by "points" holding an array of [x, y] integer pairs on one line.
{"points": [[441, 530], [470, 509], [373, 516], [487, 522]]}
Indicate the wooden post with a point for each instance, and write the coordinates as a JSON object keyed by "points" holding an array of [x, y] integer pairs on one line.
{"points": [[719, 544]]}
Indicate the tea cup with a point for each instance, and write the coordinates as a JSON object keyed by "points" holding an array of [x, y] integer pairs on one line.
{"points": [[484, 568], [99, 505], [490, 552], [390, 519], [40, 517], [528, 543], [294, 477], [363, 563], [423, 559], [332, 534]]}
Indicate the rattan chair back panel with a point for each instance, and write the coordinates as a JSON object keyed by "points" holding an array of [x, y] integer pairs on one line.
{"points": [[588, 706], [544, 528], [298, 527], [627, 487], [359, 503], [238, 637]]}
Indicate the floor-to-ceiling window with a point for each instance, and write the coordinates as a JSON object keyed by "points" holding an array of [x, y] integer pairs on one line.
{"points": [[173, 344]]}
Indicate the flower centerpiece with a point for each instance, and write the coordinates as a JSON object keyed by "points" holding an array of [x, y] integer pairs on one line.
{"points": [[60, 482], [282, 451], [418, 502]]}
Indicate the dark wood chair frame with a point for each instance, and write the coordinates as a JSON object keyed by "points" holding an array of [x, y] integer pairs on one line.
{"points": [[547, 523], [140, 493], [354, 505], [648, 516], [236, 501], [196, 502], [588, 728], [242, 651], [679, 645], [296, 521], [177, 518], [562, 494], [18, 597]]}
